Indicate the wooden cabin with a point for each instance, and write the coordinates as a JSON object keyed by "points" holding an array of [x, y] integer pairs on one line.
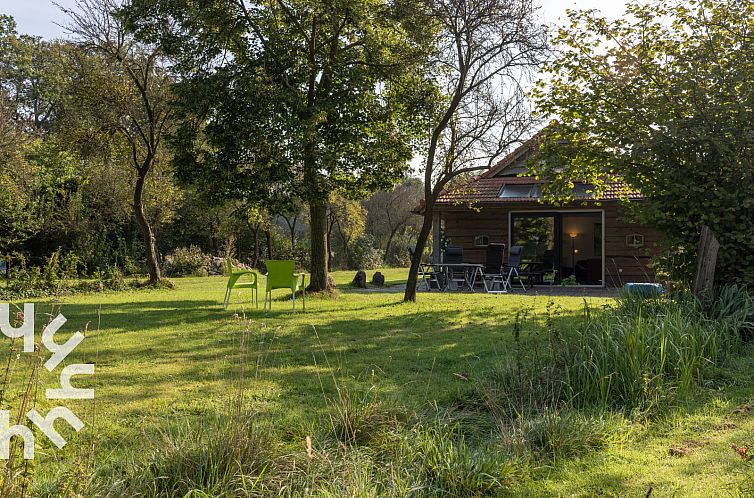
{"points": [[588, 240]]}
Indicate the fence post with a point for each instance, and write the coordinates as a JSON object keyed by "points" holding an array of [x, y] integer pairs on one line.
{"points": [[704, 280]]}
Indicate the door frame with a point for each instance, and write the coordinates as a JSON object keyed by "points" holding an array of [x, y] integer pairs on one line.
{"points": [[558, 228]]}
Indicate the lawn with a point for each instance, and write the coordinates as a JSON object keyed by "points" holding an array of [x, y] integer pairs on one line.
{"points": [[168, 355]]}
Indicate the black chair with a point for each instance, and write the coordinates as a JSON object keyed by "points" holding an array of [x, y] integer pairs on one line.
{"points": [[456, 274], [493, 269], [514, 263]]}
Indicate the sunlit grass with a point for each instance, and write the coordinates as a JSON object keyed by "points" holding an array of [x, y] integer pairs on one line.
{"points": [[356, 371]]}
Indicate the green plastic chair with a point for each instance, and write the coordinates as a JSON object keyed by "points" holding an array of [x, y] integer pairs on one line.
{"points": [[281, 274], [235, 282]]}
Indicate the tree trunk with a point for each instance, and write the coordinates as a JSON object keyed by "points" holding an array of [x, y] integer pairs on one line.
{"points": [[330, 224], [150, 244], [413, 273], [268, 237], [389, 243], [256, 246], [318, 269]]}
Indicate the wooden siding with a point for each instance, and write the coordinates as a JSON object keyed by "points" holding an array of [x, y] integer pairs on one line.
{"points": [[622, 263]]}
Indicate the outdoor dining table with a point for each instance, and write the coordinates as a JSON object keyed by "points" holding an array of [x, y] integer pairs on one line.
{"points": [[470, 272]]}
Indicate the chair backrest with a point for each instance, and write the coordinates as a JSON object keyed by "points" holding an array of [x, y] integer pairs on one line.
{"points": [[494, 261], [453, 254], [280, 273], [228, 266], [514, 256]]}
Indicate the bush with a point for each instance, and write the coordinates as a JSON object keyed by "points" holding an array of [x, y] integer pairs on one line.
{"points": [[365, 256], [59, 276], [186, 262]]}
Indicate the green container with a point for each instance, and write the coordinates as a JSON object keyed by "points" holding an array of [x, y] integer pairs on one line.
{"points": [[643, 290]]}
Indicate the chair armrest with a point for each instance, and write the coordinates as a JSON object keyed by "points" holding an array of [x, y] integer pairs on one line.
{"points": [[241, 273], [303, 278]]}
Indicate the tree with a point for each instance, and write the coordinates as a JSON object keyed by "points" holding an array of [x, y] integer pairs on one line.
{"points": [[32, 72], [390, 213], [663, 100], [16, 205], [292, 218], [296, 98], [134, 102], [347, 218], [484, 49]]}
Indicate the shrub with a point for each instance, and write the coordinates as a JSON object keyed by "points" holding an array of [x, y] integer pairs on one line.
{"points": [[398, 255], [186, 262], [636, 355], [364, 256], [114, 279]]}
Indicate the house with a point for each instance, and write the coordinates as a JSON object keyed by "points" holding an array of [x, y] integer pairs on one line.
{"points": [[589, 238]]}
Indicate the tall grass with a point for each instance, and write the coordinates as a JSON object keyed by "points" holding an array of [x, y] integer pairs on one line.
{"points": [[213, 455], [643, 353], [637, 356]]}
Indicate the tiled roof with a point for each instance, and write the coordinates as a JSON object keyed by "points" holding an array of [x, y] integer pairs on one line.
{"points": [[487, 190]]}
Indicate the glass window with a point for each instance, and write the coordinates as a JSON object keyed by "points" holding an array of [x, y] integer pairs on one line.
{"points": [[525, 190], [583, 190], [481, 240]]}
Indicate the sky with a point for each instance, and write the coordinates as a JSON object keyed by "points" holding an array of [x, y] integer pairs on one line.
{"points": [[38, 17]]}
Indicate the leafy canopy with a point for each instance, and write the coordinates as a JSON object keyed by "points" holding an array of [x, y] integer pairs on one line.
{"points": [[662, 99], [290, 99]]}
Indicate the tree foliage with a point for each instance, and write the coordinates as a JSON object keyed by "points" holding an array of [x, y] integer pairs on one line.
{"points": [[291, 100], [135, 102], [391, 220], [662, 99]]}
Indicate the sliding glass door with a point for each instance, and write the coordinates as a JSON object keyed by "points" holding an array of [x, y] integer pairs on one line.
{"points": [[568, 242]]}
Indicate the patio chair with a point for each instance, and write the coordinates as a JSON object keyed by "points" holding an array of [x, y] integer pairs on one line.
{"points": [[514, 263], [235, 282], [427, 274], [281, 274], [493, 270], [454, 255]]}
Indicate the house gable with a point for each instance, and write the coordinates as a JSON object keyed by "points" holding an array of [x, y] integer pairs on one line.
{"points": [[514, 164]]}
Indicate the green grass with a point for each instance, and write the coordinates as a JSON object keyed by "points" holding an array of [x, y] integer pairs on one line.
{"points": [[358, 371]]}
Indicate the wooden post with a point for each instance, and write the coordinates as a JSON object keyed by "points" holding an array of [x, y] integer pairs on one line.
{"points": [[705, 267]]}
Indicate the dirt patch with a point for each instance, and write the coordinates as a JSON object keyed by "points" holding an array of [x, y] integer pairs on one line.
{"points": [[684, 449], [745, 409], [727, 426]]}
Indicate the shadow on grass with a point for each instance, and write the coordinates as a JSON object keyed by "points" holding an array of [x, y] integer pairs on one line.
{"points": [[159, 350]]}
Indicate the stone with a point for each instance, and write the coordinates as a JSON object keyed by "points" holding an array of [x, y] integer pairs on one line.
{"points": [[360, 280], [378, 279]]}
